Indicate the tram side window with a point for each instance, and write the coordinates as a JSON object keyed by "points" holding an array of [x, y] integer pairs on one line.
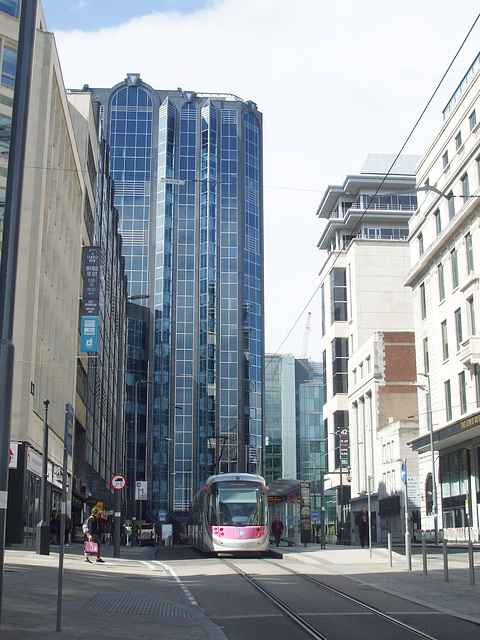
{"points": [[211, 510]]}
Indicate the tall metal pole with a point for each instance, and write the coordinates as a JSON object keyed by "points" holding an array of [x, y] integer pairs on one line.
{"points": [[408, 537], [322, 509], [432, 455], [135, 436], [43, 527], [10, 237]]}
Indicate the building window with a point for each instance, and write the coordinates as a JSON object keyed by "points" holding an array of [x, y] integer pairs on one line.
{"points": [[458, 328], [454, 477], [444, 340], [340, 365], [472, 119], [10, 7], [338, 289], [454, 258], [441, 281], [9, 65], [469, 251], [463, 391], [445, 160], [438, 222], [322, 302], [465, 187], [426, 362], [423, 301], [5, 135], [324, 364], [368, 362], [472, 328], [448, 400], [451, 205], [458, 140], [420, 244]]}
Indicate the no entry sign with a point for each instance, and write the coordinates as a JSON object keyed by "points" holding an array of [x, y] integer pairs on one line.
{"points": [[118, 482]]}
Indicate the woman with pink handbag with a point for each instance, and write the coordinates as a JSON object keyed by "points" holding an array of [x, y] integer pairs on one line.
{"points": [[92, 543]]}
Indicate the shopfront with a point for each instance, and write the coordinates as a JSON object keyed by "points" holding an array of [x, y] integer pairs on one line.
{"points": [[458, 492]]}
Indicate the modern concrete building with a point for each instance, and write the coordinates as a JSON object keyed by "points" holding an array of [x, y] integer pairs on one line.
{"points": [[188, 187], [364, 308], [66, 206], [444, 278], [48, 283], [99, 434]]}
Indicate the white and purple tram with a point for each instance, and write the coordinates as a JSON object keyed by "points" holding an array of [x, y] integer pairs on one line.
{"points": [[230, 515]]}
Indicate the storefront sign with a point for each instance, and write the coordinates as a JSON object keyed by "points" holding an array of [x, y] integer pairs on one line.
{"points": [[34, 462], [13, 455]]}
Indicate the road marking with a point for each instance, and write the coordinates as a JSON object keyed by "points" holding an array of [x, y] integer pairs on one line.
{"points": [[187, 593]]}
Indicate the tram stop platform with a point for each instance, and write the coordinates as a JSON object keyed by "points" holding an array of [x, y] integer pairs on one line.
{"points": [[457, 596], [134, 585]]}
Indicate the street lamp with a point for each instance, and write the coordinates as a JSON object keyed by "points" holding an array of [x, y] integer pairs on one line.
{"points": [[135, 453], [432, 451]]}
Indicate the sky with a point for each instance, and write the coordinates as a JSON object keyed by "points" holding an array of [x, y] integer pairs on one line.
{"points": [[334, 81]]}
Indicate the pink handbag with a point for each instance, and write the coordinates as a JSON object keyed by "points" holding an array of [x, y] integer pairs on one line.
{"points": [[91, 547]]}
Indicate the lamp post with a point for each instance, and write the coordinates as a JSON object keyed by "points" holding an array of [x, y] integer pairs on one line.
{"points": [[432, 451], [135, 458], [43, 527]]}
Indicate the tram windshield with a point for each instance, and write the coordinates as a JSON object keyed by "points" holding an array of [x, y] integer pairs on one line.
{"points": [[237, 504]]}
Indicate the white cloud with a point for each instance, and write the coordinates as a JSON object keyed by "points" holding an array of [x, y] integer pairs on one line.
{"points": [[335, 81]]}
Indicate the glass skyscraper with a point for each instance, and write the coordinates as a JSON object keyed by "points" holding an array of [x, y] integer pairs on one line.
{"points": [[187, 169]]}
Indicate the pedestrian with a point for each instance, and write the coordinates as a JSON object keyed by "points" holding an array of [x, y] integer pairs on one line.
{"points": [[58, 521], [277, 529], [94, 532], [68, 529], [53, 527], [362, 526]]}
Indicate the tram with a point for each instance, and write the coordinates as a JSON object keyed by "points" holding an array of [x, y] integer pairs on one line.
{"points": [[230, 515]]}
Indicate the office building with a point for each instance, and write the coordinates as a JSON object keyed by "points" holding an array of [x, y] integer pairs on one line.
{"points": [[367, 319], [66, 207], [187, 168], [444, 278]]}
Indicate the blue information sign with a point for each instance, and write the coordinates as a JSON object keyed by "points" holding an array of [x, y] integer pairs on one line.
{"points": [[89, 336]]}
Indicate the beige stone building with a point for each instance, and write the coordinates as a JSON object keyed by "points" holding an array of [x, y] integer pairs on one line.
{"points": [[52, 231]]}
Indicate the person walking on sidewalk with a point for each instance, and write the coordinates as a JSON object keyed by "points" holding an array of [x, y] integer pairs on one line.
{"points": [[277, 529], [362, 526], [94, 532]]}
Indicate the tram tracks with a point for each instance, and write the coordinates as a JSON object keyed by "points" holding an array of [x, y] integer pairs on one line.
{"points": [[300, 620]]}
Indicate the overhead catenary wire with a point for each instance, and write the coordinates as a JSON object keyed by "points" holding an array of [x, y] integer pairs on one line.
{"points": [[382, 182]]}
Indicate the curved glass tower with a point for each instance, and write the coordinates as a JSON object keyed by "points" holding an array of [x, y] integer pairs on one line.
{"points": [[188, 189]]}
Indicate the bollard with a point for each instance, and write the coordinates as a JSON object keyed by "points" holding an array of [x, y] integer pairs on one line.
{"points": [[471, 563], [445, 561], [424, 554], [389, 545]]}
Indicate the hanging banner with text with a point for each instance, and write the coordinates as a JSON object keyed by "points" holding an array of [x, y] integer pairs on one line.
{"points": [[91, 295]]}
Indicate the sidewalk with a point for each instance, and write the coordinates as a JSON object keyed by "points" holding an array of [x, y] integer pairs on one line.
{"points": [[112, 601], [456, 597], [117, 599]]}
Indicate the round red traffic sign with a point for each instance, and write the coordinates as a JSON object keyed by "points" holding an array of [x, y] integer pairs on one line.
{"points": [[118, 482]]}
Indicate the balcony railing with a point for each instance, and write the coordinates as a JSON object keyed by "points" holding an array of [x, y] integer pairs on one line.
{"points": [[470, 351]]}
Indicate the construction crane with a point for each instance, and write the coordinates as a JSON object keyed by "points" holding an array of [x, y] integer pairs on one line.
{"points": [[306, 336]]}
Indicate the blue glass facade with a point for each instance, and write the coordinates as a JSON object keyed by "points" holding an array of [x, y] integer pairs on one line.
{"points": [[198, 256]]}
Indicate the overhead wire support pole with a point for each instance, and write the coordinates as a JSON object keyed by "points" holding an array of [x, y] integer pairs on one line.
{"points": [[11, 232]]}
